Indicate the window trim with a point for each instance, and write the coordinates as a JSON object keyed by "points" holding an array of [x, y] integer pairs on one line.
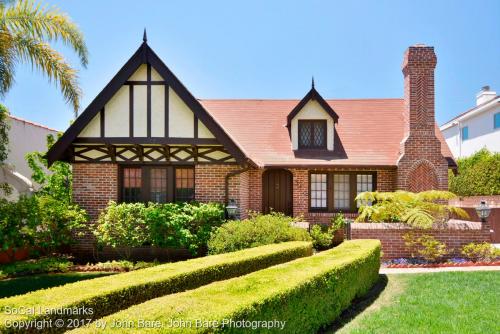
{"points": [[146, 180], [324, 123], [330, 191]]}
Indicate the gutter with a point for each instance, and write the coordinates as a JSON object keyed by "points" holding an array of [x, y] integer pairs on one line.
{"points": [[226, 181], [470, 113]]}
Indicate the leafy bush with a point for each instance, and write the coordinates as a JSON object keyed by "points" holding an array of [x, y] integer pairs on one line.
{"points": [[305, 294], [183, 225], [38, 221], [178, 225], [321, 236], [106, 295], [122, 265], [122, 226], [478, 174], [483, 252], [35, 266], [425, 246], [419, 210], [258, 230]]}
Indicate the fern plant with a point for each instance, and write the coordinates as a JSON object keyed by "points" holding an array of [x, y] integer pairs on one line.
{"points": [[419, 210]]}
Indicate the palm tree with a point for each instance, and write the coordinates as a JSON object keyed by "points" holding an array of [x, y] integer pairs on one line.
{"points": [[420, 210], [26, 29]]}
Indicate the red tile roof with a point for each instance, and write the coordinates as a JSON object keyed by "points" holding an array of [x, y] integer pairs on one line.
{"points": [[369, 131]]}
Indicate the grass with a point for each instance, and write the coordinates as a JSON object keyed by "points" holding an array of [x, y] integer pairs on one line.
{"points": [[18, 286], [446, 302]]}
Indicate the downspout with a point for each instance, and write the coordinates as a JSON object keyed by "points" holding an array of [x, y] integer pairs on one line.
{"points": [[229, 175]]}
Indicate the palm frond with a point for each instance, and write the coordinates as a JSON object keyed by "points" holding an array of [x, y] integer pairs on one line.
{"points": [[435, 195], [7, 62], [51, 63], [417, 217], [29, 18]]}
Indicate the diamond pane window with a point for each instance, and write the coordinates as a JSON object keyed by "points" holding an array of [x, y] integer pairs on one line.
{"points": [[318, 191], [341, 191], [312, 133]]}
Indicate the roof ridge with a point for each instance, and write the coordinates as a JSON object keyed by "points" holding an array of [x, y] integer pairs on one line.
{"points": [[32, 123]]}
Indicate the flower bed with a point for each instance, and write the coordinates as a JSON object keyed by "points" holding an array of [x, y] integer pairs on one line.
{"points": [[453, 262]]}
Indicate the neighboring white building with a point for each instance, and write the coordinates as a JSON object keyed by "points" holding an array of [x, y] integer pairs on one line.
{"points": [[476, 128], [24, 137]]}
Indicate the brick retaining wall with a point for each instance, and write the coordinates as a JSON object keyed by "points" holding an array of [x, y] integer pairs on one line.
{"points": [[454, 234]]}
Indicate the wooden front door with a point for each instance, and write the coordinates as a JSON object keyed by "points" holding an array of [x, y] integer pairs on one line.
{"points": [[277, 192]]}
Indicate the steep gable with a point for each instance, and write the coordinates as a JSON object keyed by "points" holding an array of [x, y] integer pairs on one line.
{"points": [[144, 104]]}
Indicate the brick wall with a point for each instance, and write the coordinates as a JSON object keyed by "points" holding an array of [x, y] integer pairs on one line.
{"points": [[94, 185], [421, 165], [455, 234]]}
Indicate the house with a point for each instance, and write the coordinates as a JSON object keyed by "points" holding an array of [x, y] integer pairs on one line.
{"points": [[476, 128], [24, 137], [145, 137]]}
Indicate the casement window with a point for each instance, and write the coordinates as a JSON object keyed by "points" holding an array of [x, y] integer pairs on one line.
{"points": [[336, 191], [465, 133], [156, 184], [312, 134], [496, 121]]}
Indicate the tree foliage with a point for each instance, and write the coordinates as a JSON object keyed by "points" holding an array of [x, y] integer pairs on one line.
{"points": [[4, 144], [420, 210], [26, 29], [478, 175]]}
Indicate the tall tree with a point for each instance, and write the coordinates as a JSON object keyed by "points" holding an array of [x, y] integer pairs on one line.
{"points": [[26, 29]]}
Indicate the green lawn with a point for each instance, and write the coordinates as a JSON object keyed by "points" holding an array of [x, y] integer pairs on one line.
{"points": [[446, 302], [21, 285]]}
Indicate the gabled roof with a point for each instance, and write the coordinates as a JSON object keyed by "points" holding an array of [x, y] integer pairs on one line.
{"points": [[315, 96], [368, 132], [143, 55]]}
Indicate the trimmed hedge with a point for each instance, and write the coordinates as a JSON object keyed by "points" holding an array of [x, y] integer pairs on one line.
{"points": [[110, 294], [307, 294]]}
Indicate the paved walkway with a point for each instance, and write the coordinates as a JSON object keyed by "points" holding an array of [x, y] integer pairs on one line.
{"points": [[435, 270]]}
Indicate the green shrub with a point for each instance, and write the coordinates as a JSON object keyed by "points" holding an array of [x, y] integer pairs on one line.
{"points": [[183, 225], [40, 221], [258, 230], [121, 265], [106, 295], [122, 226], [478, 174], [425, 246], [35, 266], [306, 294], [483, 252], [322, 236]]}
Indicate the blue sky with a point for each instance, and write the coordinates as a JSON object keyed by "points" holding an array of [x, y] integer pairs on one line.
{"points": [[270, 49]]}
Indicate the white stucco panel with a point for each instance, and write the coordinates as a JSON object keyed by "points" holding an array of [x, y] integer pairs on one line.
{"points": [[313, 110], [140, 111], [117, 114], [203, 131], [93, 129], [181, 118], [141, 74], [155, 76], [157, 111]]}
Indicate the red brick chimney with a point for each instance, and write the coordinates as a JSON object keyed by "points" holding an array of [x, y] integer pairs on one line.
{"points": [[421, 166]]}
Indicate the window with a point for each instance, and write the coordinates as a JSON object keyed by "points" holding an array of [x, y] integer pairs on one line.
{"points": [[334, 191], [496, 120], [318, 191], [341, 192], [132, 185], [465, 133], [184, 184], [312, 134], [364, 182], [157, 184]]}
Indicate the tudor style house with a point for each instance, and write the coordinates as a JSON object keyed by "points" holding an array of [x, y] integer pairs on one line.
{"points": [[145, 137]]}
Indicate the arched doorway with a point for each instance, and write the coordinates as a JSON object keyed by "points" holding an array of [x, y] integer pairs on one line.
{"points": [[277, 191]]}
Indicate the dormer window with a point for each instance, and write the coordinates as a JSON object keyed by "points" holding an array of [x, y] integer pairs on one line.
{"points": [[312, 134]]}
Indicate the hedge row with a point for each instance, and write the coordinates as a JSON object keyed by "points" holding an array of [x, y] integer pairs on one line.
{"points": [[110, 294], [304, 295]]}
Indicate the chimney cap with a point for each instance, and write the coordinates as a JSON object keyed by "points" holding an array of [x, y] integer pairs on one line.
{"points": [[420, 45], [485, 88]]}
